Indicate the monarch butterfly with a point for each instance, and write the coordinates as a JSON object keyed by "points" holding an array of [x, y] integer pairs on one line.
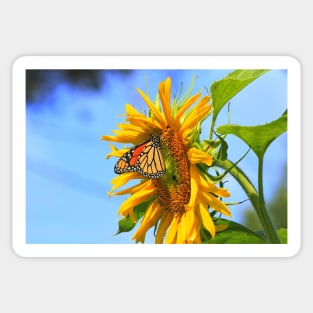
{"points": [[145, 159]]}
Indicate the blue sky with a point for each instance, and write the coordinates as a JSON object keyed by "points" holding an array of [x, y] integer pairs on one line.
{"points": [[68, 176]]}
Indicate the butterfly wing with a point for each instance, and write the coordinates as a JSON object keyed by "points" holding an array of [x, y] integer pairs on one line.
{"points": [[145, 159]]}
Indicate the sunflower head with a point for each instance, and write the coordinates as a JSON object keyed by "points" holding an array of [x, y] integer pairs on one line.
{"points": [[168, 161]]}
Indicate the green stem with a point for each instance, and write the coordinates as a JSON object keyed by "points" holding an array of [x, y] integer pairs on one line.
{"points": [[212, 128], [242, 179], [257, 200], [262, 212]]}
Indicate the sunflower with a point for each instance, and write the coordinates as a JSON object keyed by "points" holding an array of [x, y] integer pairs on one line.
{"points": [[178, 201]]}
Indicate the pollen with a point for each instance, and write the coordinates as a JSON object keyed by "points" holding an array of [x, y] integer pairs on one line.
{"points": [[173, 190]]}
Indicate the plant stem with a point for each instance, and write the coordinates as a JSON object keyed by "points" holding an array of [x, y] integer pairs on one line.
{"points": [[212, 128], [261, 210], [257, 200]]}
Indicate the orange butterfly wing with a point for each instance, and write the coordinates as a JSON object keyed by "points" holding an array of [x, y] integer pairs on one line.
{"points": [[145, 159]]}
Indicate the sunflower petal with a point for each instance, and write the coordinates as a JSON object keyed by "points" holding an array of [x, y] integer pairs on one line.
{"points": [[128, 205], [216, 204], [130, 110], [182, 230], [166, 220], [193, 227], [207, 186], [147, 124], [172, 230], [151, 106], [199, 112], [186, 105], [197, 156], [206, 219], [194, 184], [136, 188], [165, 96], [116, 152], [151, 217]]}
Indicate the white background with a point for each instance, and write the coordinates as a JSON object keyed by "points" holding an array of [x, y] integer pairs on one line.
{"points": [[160, 28]]}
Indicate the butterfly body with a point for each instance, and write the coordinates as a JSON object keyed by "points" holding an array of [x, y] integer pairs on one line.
{"points": [[145, 159]]}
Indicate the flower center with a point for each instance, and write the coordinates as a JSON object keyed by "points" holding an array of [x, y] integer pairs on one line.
{"points": [[173, 189]]}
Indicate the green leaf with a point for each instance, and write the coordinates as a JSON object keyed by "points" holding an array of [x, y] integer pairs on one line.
{"points": [[258, 138], [234, 234], [125, 224], [223, 90], [283, 235]]}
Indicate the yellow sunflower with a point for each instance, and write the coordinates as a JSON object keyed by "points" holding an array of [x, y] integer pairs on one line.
{"points": [[179, 200]]}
